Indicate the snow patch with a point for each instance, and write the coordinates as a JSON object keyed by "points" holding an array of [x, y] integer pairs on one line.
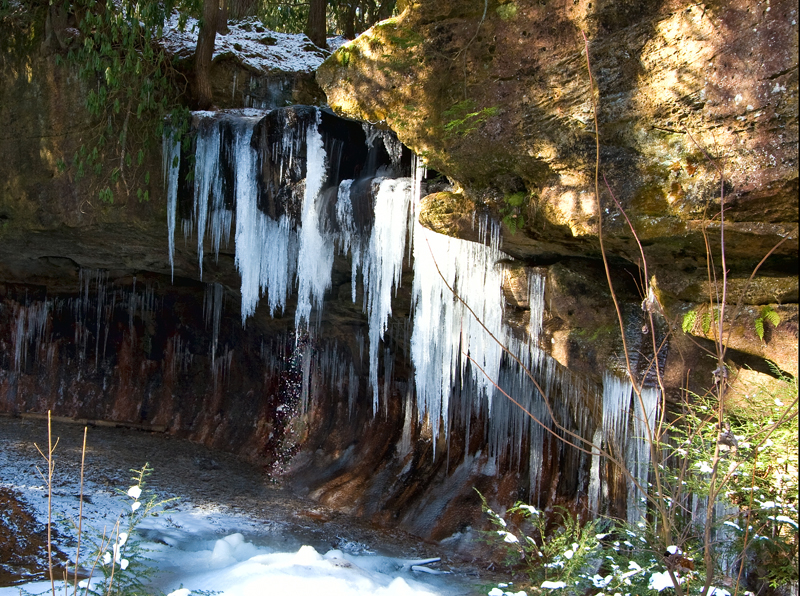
{"points": [[255, 46]]}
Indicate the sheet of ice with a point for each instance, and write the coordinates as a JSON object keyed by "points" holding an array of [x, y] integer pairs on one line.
{"points": [[258, 48]]}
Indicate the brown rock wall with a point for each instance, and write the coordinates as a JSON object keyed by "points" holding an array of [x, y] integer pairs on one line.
{"points": [[696, 105]]}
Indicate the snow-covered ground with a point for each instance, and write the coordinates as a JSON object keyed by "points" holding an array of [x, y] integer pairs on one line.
{"points": [[257, 47], [202, 545]]}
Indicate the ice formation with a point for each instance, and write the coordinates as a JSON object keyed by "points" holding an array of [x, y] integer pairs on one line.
{"points": [[628, 426], [315, 257], [275, 255], [171, 152], [208, 192], [295, 207], [645, 407], [382, 264], [446, 334], [212, 313], [455, 346]]}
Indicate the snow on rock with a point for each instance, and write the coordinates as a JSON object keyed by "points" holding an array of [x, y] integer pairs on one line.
{"points": [[251, 43]]}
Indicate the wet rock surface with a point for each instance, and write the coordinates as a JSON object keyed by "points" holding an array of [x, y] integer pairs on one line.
{"points": [[23, 542]]}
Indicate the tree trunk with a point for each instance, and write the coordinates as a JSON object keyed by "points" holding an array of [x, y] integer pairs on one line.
{"points": [[222, 17], [316, 29], [203, 54], [386, 9], [350, 20]]}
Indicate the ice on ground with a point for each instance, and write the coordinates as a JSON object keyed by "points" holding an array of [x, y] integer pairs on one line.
{"points": [[234, 566], [207, 548]]}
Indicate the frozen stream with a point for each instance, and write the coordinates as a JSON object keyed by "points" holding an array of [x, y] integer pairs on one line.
{"points": [[231, 531]]}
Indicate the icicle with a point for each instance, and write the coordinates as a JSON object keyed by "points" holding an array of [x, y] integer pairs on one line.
{"points": [[388, 371], [408, 424], [265, 248], [352, 389], [348, 238], [206, 177], [171, 153], [394, 148], [418, 173], [306, 383], [616, 407], [638, 460], [30, 326], [101, 299], [536, 287], [249, 243], [383, 264], [594, 472], [344, 218], [19, 339], [315, 258], [444, 330], [212, 313]]}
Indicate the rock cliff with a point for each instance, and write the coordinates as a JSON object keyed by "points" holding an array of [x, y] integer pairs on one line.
{"points": [[97, 325], [697, 105]]}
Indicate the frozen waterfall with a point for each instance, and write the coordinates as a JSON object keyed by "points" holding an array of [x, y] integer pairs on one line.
{"points": [[315, 257], [295, 197]]}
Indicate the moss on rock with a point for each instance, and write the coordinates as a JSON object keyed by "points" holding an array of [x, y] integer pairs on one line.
{"points": [[501, 105]]}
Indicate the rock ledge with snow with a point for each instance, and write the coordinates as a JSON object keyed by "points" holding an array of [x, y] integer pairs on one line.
{"points": [[252, 66]]}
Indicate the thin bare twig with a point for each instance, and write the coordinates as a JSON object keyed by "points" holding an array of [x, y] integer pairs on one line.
{"points": [[49, 480], [80, 512], [651, 437]]}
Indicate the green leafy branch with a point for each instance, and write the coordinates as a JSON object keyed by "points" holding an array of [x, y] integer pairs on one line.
{"points": [[512, 209], [131, 88], [768, 315], [706, 319], [463, 118]]}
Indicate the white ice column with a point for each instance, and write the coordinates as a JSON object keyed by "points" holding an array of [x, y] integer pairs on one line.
{"points": [[315, 258]]}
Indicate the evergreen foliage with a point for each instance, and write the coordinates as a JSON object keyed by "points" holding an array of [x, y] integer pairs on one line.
{"points": [[131, 87], [344, 17]]}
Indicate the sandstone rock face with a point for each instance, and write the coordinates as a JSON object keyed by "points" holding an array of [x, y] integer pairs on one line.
{"points": [[95, 324], [696, 106]]}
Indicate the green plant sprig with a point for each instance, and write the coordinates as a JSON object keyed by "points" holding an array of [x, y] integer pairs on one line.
{"points": [[131, 87], [463, 118]]}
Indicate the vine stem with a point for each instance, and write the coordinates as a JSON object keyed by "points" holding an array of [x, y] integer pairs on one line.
{"points": [[651, 437]]}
